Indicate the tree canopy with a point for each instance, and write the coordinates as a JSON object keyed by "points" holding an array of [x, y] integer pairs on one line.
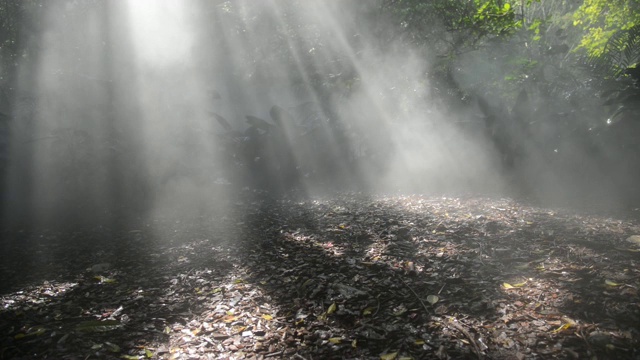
{"points": [[602, 19], [537, 74]]}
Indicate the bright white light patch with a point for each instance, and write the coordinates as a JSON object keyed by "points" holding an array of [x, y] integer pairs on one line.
{"points": [[160, 32]]}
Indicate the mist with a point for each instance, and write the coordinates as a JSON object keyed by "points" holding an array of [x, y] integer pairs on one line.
{"points": [[139, 109], [304, 179]]}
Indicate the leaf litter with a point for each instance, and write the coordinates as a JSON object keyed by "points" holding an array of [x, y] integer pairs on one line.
{"points": [[396, 277]]}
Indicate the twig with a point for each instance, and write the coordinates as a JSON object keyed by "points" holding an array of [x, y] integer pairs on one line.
{"points": [[581, 335], [274, 354], [476, 348], [208, 340], [417, 297], [377, 307]]}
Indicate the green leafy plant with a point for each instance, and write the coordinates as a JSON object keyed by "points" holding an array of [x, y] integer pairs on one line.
{"points": [[619, 62], [620, 53]]}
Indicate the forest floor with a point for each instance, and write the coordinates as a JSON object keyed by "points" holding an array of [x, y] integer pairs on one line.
{"points": [[397, 277]]}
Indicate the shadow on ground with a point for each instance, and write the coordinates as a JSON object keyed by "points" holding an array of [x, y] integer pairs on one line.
{"points": [[346, 277]]}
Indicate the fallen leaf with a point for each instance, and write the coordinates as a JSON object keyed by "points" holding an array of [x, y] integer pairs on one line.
{"points": [[634, 239], [368, 311], [112, 347], [611, 283], [389, 356], [104, 280], [35, 331], [563, 327], [569, 320], [238, 329], [332, 308], [400, 311], [520, 284], [307, 283], [229, 318]]}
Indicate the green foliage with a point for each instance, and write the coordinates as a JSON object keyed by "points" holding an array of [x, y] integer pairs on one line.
{"points": [[535, 28], [493, 18], [536, 57], [620, 52], [619, 62], [601, 19], [455, 25]]}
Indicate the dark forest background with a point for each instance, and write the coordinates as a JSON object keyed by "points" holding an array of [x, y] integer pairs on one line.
{"points": [[547, 91]]}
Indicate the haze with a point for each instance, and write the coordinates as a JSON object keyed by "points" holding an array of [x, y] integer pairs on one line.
{"points": [[138, 109]]}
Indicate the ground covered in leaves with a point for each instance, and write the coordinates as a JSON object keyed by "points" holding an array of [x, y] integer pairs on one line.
{"points": [[397, 277]]}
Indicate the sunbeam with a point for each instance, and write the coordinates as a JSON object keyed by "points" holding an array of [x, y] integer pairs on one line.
{"points": [[376, 179]]}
